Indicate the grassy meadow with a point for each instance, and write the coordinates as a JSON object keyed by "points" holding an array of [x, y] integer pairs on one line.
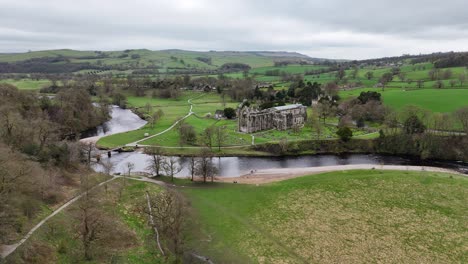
{"points": [[338, 217], [435, 100], [27, 84]]}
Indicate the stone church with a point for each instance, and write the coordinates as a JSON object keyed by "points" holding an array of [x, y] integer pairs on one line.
{"points": [[281, 118]]}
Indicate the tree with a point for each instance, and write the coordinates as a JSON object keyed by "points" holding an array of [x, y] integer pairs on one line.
{"points": [[439, 84], [447, 74], [129, 166], [420, 83], [167, 209], [345, 133], [340, 74], [413, 125], [148, 107], [220, 136], [192, 166], [187, 134], [354, 72], [88, 149], [462, 116], [172, 167], [453, 83], [207, 136], [108, 166], [229, 113], [386, 78], [154, 118], [156, 160], [462, 78], [205, 166], [90, 225], [325, 108], [314, 124], [369, 75]]}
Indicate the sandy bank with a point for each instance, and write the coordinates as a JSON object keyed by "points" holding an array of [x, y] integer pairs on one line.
{"points": [[274, 175]]}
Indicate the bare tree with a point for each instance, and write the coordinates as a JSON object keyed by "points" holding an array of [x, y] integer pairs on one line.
{"points": [[208, 135], [462, 116], [108, 166], [462, 78], [168, 212], [205, 166], [90, 225], [192, 166], [220, 136], [156, 160], [172, 167], [129, 166], [88, 149]]}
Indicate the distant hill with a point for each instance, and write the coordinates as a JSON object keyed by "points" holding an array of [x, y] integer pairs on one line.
{"points": [[66, 60]]}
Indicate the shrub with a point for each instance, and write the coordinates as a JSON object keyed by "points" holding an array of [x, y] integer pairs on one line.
{"points": [[345, 133]]}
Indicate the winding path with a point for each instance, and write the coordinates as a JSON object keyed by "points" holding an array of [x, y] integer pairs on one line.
{"points": [[189, 101]]}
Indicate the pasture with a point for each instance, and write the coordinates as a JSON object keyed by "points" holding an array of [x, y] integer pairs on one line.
{"points": [[337, 217], [27, 84], [435, 100]]}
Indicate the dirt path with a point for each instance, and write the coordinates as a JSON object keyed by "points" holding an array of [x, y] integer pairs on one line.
{"points": [[274, 175]]}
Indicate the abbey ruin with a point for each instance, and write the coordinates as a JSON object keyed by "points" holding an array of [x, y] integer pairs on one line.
{"points": [[281, 117]]}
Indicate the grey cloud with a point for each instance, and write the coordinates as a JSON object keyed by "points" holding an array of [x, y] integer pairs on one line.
{"points": [[333, 28]]}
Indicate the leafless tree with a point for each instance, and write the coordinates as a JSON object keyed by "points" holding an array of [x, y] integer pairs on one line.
{"points": [[220, 136], [171, 167], [168, 212], [88, 149], [129, 166], [208, 135], [108, 166], [462, 78], [90, 225], [156, 160], [462, 116], [205, 166], [192, 166]]}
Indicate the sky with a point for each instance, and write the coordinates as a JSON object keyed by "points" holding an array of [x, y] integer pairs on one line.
{"points": [[335, 29]]}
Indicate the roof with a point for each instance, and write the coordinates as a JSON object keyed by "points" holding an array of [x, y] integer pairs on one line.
{"points": [[287, 107]]}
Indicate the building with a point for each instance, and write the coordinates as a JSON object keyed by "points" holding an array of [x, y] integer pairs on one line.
{"points": [[251, 120], [219, 114]]}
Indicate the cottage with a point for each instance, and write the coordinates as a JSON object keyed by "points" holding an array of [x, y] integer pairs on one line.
{"points": [[281, 118]]}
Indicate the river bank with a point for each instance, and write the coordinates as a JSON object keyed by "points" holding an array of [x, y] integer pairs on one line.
{"points": [[280, 174]]}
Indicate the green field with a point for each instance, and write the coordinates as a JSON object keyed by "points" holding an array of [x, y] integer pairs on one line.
{"points": [[27, 84], [338, 217], [435, 100], [204, 106]]}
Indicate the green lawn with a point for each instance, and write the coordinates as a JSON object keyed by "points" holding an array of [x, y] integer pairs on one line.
{"points": [[436, 100], [339, 217], [27, 84]]}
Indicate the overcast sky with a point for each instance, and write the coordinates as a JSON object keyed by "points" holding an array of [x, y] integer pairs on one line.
{"points": [[339, 29]]}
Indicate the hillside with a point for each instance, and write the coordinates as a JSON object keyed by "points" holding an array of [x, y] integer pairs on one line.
{"points": [[65, 60]]}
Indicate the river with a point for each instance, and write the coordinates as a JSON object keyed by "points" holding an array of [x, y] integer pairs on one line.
{"points": [[122, 120], [125, 120]]}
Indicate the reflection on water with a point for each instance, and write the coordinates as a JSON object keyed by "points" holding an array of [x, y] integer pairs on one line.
{"points": [[237, 166]]}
